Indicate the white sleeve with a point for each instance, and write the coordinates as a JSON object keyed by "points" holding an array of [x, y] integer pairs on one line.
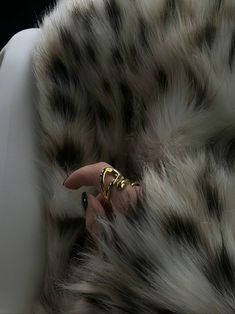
{"points": [[22, 231]]}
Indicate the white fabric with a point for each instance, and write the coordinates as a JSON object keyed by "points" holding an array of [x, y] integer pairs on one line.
{"points": [[22, 233]]}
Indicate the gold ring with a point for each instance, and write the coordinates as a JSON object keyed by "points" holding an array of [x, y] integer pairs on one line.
{"points": [[118, 181], [108, 171]]}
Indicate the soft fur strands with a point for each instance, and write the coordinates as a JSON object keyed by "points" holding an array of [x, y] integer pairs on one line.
{"points": [[147, 86]]}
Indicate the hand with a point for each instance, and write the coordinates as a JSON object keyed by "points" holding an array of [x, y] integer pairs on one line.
{"points": [[98, 206]]}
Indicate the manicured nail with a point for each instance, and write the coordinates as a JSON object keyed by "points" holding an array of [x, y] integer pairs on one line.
{"points": [[84, 201]]}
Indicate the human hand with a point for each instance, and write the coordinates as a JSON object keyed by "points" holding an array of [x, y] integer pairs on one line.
{"points": [[98, 206]]}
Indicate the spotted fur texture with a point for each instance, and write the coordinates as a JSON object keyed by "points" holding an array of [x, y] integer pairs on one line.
{"points": [[148, 86]]}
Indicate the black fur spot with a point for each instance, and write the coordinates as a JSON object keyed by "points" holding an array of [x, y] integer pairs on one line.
{"points": [[68, 225], [68, 155], [70, 46], [223, 154], [106, 86], [90, 51], [220, 271], [230, 152], [128, 99], [134, 59], [212, 200], [209, 191], [117, 57], [99, 302], [103, 115], [58, 72], [143, 29], [79, 245], [143, 118], [98, 152], [218, 4], [62, 104], [162, 80], [206, 36], [165, 311], [131, 304], [89, 109], [114, 15], [183, 230], [201, 97], [143, 267], [170, 12], [231, 51]]}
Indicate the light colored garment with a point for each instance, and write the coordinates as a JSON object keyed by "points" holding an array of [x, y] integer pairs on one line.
{"points": [[22, 231]]}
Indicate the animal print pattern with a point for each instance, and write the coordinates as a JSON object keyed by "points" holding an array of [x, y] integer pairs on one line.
{"points": [[149, 87]]}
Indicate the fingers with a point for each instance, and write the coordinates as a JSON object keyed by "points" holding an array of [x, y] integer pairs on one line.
{"points": [[94, 210], [99, 207], [107, 206], [122, 199], [86, 176], [90, 176]]}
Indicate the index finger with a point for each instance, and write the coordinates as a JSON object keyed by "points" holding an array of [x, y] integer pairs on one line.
{"points": [[86, 176]]}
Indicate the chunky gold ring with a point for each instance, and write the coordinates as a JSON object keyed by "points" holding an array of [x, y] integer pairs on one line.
{"points": [[118, 181]]}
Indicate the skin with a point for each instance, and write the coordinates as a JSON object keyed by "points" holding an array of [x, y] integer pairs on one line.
{"points": [[98, 206]]}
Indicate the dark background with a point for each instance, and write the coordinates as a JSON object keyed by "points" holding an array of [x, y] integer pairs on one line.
{"points": [[17, 15]]}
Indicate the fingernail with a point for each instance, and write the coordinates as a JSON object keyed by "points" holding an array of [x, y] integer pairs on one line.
{"points": [[84, 201]]}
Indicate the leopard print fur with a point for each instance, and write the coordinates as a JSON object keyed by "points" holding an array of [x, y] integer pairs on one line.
{"points": [[149, 87]]}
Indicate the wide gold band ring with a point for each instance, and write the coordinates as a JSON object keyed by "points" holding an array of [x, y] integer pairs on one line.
{"points": [[119, 182]]}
